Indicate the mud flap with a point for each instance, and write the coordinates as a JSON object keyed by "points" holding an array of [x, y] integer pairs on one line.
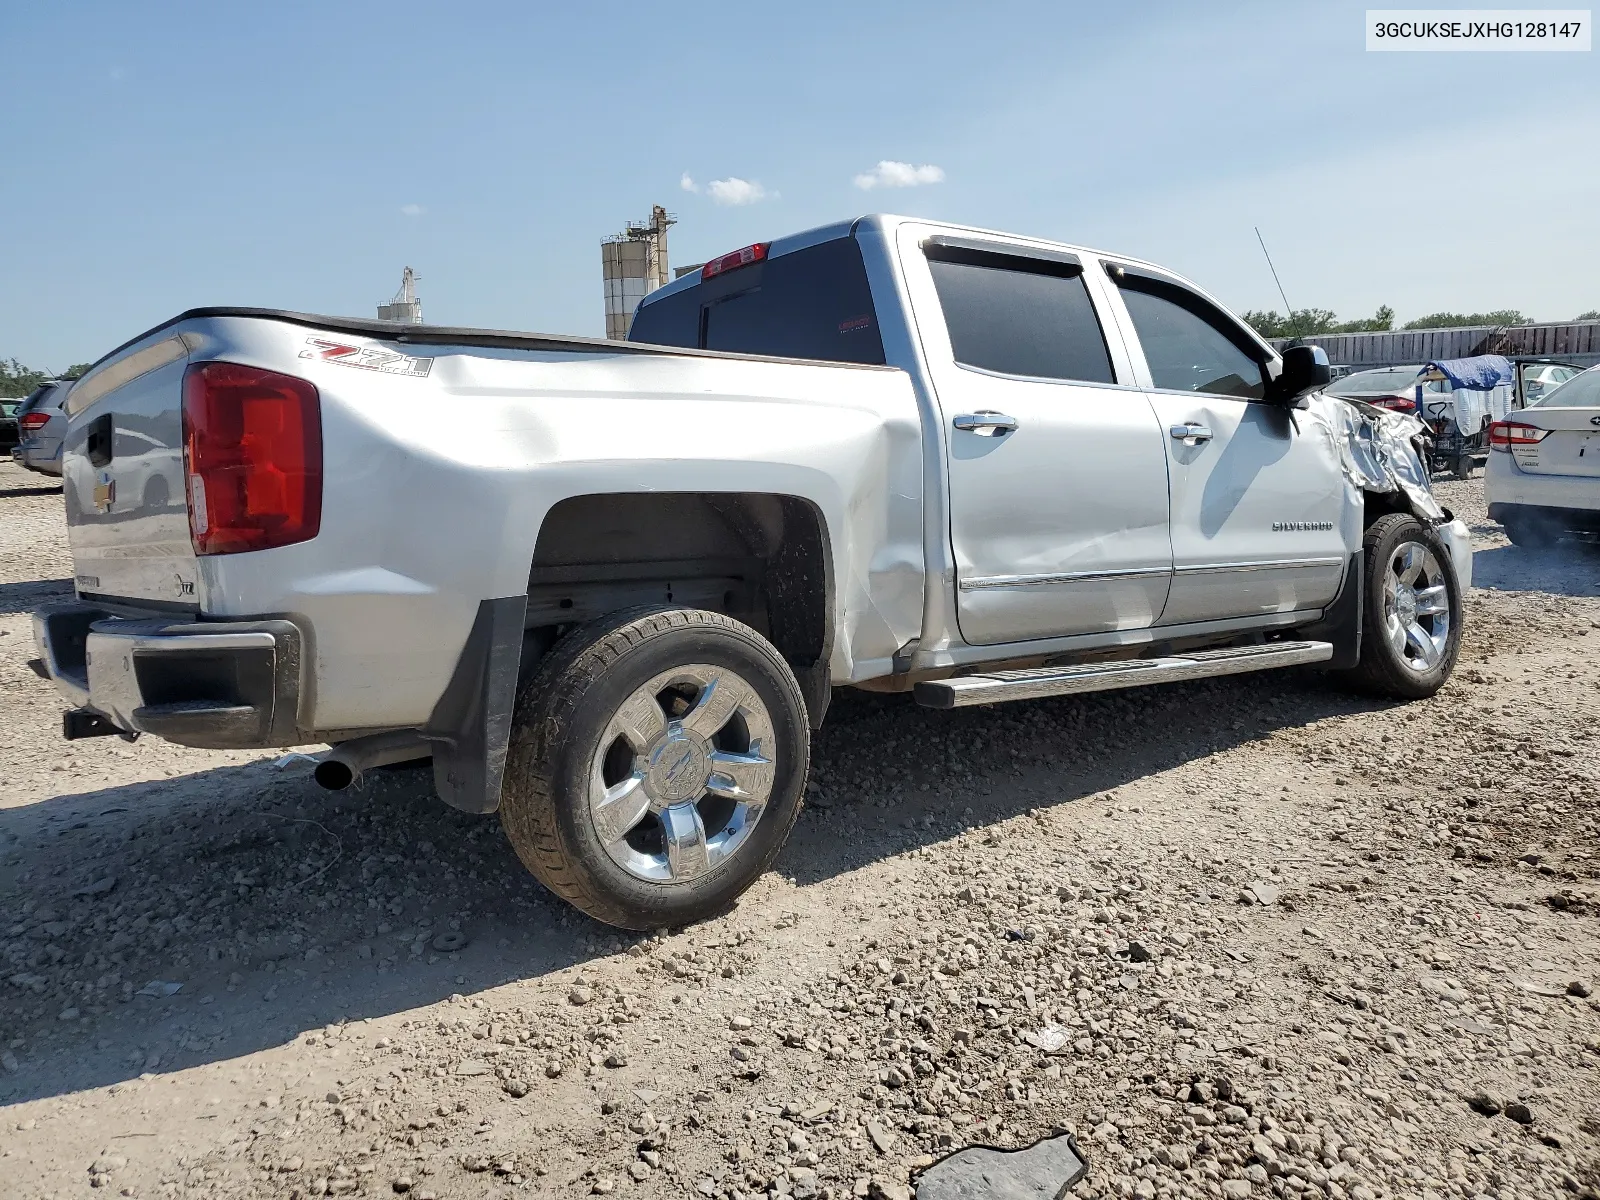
{"points": [[816, 687], [1341, 620], [471, 725]]}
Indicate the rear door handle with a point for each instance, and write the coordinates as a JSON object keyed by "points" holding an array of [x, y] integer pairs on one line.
{"points": [[1190, 433], [985, 423]]}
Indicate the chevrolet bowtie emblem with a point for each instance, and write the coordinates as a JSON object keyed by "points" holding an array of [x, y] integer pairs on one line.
{"points": [[105, 492]]}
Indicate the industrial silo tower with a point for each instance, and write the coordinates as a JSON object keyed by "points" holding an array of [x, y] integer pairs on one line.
{"points": [[633, 264], [405, 306]]}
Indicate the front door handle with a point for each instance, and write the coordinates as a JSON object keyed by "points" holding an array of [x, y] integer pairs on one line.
{"points": [[1190, 433], [985, 423]]}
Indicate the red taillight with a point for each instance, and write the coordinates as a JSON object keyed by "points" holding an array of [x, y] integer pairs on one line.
{"points": [[739, 258], [252, 450], [1505, 434], [1396, 403], [33, 422]]}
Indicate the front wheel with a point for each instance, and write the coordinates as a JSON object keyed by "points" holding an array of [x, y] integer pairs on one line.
{"points": [[1411, 611], [656, 766]]}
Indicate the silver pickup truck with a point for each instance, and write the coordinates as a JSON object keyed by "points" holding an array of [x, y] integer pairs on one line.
{"points": [[608, 586]]}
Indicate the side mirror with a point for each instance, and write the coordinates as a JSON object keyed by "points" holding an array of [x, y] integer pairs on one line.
{"points": [[1305, 369]]}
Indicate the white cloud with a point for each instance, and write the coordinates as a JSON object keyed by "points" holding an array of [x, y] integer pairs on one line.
{"points": [[688, 184], [734, 190], [412, 210], [889, 173]]}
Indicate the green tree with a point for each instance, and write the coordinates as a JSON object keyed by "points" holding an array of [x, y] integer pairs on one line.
{"points": [[1592, 315], [1305, 322], [18, 380], [1266, 324], [1299, 323], [1448, 320], [1379, 322]]}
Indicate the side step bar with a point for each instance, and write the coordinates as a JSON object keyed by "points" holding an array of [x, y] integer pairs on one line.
{"points": [[995, 686]]}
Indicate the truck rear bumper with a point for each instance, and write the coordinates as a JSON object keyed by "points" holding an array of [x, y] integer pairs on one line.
{"points": [[213, 684]]}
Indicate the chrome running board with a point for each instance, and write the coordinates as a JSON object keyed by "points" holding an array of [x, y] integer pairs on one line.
{"points": [[995, 686]]}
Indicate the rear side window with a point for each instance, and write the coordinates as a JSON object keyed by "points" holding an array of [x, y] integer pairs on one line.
{"points": [[812, 303], [1019, 316], [1185, 343], [32, 399]]}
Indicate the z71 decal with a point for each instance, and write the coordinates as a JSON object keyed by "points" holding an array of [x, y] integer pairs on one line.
{"points": [[368, 358]]}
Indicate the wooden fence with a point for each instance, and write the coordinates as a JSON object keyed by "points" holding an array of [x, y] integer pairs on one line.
{"points": [[1575, 342]]}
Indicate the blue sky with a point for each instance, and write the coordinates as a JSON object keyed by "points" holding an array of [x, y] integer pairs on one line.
{"points": [[162, 156]]}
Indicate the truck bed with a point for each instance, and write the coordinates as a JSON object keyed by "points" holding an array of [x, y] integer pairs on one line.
{"points": [[441, 451]]}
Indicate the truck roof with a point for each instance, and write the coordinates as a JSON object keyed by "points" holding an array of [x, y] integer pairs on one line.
{"points": [[886, 222]]}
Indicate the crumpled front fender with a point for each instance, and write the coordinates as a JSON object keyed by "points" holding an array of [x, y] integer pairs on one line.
{"points": [[1381, 452]]}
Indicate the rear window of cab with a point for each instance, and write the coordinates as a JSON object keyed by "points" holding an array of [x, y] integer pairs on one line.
{"points": [[812, 303]]}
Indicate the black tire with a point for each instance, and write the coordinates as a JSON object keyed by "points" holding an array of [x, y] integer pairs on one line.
{"points": [[563, 712], [1463, 466], [1529, 532], [1383, 670]]}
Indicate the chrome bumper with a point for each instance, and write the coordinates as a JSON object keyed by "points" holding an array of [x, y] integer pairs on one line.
{"points": [[217, 685]]}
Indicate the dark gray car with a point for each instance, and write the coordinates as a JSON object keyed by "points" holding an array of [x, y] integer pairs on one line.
{"points": [[8, 422]]}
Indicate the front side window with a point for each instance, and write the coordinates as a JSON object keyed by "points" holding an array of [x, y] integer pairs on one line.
{"points": [[1185, 346], [1019, 316]]}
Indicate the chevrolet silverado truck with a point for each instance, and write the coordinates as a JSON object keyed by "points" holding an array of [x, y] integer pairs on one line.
{"points": [[608, 587]]}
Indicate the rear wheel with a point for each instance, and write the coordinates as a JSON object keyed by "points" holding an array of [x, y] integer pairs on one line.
{"points": [[1529, 532], [656, 766], [156, 493], [1411, 611], [1463, 467]]}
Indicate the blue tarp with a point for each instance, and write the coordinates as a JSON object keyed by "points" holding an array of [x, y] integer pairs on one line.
{"points": [[1481, 374]]}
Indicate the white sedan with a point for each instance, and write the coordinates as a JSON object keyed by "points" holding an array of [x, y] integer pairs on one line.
{"points": [[1543, 476]]}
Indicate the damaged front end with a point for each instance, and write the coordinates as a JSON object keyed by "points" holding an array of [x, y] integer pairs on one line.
{"points": [[1384, 453]]}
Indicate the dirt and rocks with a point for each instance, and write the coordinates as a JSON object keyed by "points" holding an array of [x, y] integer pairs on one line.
{"points": [[1246, 937]]}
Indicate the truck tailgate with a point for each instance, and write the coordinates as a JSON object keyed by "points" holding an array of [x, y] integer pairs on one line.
{"points": [[123, 475]]}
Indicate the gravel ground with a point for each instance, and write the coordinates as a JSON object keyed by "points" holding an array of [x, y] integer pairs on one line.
{"points": [[1241, 937]]}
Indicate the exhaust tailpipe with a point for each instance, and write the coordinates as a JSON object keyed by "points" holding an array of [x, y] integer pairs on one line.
{"points": [[344, 764]]}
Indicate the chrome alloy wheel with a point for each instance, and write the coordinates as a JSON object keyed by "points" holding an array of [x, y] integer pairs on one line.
{"points": [[1416, 606], [682, 774]]}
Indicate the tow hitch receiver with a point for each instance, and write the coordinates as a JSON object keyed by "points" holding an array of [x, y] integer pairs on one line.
{"points": [[78, 723]]}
